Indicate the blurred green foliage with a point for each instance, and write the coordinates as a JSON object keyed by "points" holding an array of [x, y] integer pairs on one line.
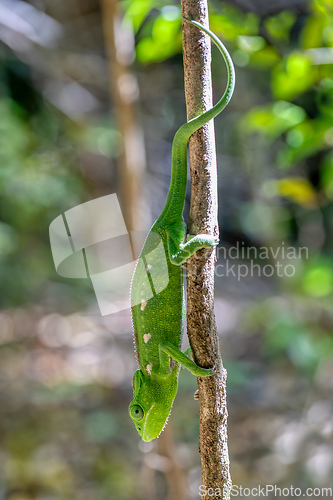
{"points": [[37, 182]]}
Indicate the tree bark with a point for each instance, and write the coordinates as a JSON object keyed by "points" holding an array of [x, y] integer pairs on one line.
{"points": [[201, 324]]}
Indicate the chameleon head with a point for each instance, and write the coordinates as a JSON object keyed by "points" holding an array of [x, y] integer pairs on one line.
{"points": [[149, 411]]}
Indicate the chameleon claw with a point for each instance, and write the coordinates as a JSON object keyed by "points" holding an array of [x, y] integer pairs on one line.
{"points": [[203, 240]]}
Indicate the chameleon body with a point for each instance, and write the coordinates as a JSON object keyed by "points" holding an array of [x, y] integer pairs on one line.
{"points": [[157, 294]]}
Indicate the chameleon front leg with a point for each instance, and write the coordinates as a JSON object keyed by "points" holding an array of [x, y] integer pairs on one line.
{"points": [[168, 350], [188, 353], [137, 381], [179, 252]]}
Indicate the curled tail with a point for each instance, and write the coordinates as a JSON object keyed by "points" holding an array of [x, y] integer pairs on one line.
{"points": [[176, 195], [191, 126]]}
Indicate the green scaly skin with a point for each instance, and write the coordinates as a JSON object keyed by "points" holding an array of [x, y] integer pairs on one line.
{"points": [[158, 320]]}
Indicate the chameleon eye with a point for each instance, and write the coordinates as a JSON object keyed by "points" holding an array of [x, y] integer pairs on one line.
{"points": [[136, 412]]}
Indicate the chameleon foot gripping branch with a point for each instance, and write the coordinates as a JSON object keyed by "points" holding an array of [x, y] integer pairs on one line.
{"points": [[159, 321]]}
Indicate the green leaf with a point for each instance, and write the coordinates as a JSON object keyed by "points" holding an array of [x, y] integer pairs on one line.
{"points": [[267, 57], [279, 26], [137, 11], [318, 280], [312, 34], [323, 7], [232, 23], [274, 119], [164, 41], [293, 76]]}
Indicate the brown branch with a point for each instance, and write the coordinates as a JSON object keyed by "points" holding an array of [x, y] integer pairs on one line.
{"points": [[119, 44], [201, 325], [174, 473]]}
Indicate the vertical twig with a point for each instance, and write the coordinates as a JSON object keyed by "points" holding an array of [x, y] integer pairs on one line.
{"points": [[119, 43], [175, 473], [201, 323]]}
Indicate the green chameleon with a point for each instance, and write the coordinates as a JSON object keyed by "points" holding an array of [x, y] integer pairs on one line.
{"points": [[157, 295]]}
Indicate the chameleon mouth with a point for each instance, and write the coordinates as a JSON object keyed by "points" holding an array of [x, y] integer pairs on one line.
{"points": [[144, 437]]}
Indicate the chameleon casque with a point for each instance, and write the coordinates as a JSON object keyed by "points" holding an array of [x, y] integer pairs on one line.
{"points": [[157, 294]]}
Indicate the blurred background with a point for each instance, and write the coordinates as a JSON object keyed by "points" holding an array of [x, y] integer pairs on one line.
{"points": [[91, 94]]}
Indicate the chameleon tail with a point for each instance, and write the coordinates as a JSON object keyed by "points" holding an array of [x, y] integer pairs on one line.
{"points": [[176, 196], [186, 130]]}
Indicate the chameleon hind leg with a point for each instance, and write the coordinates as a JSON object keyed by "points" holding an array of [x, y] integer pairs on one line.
{"points": [[179, 252], [168, 350]]}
